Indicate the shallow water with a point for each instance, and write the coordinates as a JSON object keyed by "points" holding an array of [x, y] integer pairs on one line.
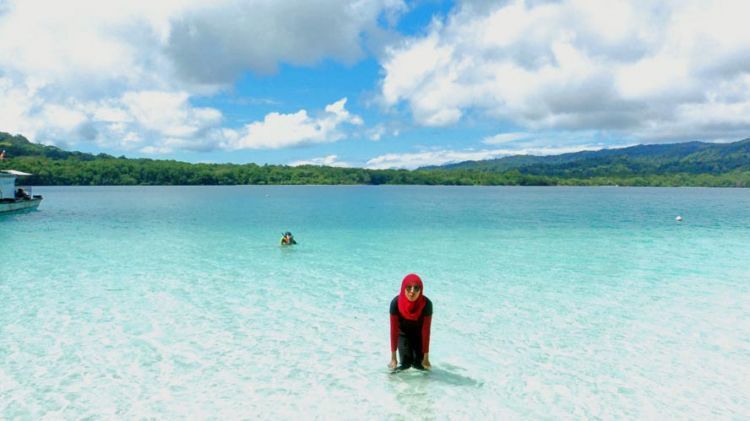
{"points": [[549, 302]]}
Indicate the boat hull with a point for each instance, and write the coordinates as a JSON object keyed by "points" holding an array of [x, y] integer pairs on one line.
{"points": [[20, 205]]}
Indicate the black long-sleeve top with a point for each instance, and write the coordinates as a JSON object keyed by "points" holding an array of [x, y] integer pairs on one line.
{"points": [[411, 328]]}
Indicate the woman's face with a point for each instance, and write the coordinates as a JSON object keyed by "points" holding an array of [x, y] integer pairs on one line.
{"points": [[412, 292]]}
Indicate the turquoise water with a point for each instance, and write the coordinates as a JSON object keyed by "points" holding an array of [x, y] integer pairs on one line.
{"points": [[164, 302]]}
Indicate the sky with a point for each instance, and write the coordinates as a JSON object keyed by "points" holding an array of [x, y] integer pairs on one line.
{"points": [[371, 83]]}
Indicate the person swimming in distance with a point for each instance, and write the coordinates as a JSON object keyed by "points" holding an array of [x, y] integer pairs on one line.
{"points": [[287, 239], [411, 319]]}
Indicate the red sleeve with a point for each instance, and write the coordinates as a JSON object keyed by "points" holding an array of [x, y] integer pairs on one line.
{"points": [[426, 334], [394, 332]]}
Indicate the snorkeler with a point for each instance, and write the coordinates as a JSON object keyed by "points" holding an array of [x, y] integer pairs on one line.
{"points": [[287, 239]]}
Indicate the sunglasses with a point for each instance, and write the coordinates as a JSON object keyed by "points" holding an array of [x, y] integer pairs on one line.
{"points": [[413, 288]]}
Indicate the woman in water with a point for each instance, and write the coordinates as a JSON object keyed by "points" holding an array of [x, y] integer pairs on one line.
{"points": [[411, 316]]}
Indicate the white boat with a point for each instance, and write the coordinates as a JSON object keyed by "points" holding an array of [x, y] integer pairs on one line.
{"points": [[12, 198]]}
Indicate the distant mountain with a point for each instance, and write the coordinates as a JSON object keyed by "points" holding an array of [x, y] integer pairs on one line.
{"points": [[690, 158]]}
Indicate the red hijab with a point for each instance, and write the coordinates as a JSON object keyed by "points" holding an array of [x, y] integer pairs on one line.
{"points": [[411, 310]]}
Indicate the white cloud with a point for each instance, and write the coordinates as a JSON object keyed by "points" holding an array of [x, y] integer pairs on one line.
{"points": [[161, 122], [97, 44], [421, 159], [329, 161], [63, 118], [285, 130], [123, 73], [144, 120], [443, 156], [505, 138], [169, 113], [621, 66], [376, 133], [259, 34], [83, 47], [16, 101]]}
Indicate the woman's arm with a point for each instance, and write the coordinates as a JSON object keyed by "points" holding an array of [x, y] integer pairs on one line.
{"points": [[426, 341], [394, 341]]}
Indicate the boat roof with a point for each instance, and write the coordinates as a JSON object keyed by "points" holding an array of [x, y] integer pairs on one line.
{"points": [[16, 173]]}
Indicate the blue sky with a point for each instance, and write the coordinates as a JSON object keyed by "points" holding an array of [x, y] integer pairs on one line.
{"points": [[371, 83]]}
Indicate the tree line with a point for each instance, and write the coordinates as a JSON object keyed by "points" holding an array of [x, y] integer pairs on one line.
{"points": [[121, 171], [54, 167]]}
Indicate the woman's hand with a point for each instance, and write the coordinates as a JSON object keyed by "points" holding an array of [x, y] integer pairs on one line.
{"points": [[426, 362], [393, 364]]}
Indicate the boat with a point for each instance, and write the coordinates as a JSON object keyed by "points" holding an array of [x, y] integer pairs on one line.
{"points": [[12, 198]]}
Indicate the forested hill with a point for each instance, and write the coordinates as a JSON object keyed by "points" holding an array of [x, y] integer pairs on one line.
{"points": [[19, 146], [53, 166], [691, 158], [683, 164]]}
